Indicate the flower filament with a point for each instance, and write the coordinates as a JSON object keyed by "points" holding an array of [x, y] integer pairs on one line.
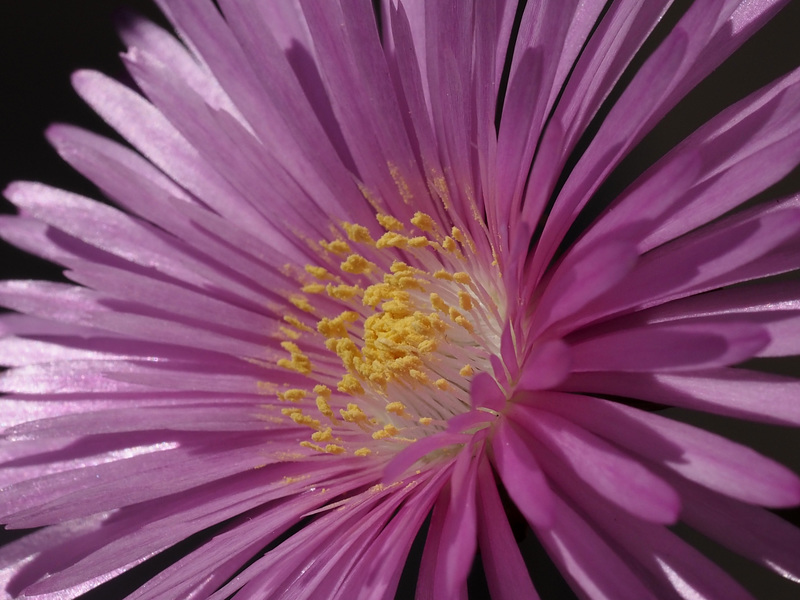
{"points": [[406, 327]]}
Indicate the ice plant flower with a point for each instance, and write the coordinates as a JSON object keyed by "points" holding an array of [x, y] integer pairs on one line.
{"points": [[360, 276]]}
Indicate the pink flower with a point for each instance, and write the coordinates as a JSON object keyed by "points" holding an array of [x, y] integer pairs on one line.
{"points": [[355, 281]]}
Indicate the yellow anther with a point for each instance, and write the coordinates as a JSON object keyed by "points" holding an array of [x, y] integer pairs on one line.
{"points": [[331, 328], [397, 308], [293, 395], [438, 303], [358, 233], [349, 316], [398, 266], [466, 371], [301, 302], [462, 277], [343, 292], [334, 449], [336, 246], [391, 239], [403, 281], [449, 244], [463, 322], [312, 446], [298, 417], [425, 421], [442, 384], [363, 452], [423, 222], [437, 323], [313, 288], [400, 182], [322, 390], [290, 333], [326, 435], [464, 300], [442, 274], [418, 241], [427, 346], [375, 294], [297, 323], [298, 362], [357, 264], [318, 272], [387, 431], [389, 223], [458, 235], [353, 414], [350, 385], [418, 375], [324, 408], [397, 408]]}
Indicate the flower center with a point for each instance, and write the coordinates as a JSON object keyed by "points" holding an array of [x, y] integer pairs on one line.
{"points": [[405, 326]]}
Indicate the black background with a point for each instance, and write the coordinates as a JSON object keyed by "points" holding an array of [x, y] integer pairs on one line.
{"points": [[43, 41]]}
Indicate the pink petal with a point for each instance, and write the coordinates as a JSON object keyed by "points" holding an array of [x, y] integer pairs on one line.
{"points": [[517, 467], [612, 473], [506, 572], [708, 459]]}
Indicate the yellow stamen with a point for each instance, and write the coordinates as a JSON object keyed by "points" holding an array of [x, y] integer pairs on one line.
{"points": [[464, 300], [438, 303], [466, 371], [389, 223], [297, 323], [442, 274], [293, 395], [391, 239], [357, 265], [301, 302], [397, 408], [423, 222], [318, 272], [353, 414], [336, 246], [326, 435], [298, 362], [312, 446], [289, 333], [313, 288], [343, 292], [350, 385], [358, 233]]}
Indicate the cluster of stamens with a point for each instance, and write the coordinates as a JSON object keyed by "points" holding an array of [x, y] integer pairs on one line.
{"points": [[404, 340]]}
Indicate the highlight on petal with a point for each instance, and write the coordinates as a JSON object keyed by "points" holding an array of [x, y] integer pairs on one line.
{"points": [[611, 473], [527, 485]]}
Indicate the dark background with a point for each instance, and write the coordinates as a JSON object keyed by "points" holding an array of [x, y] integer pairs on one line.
{"points": [[43, 41]]}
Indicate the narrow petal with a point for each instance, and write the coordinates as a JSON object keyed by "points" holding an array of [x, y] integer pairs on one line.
{"points": [[612, 473], [506, 572], [706, 458], [517, 467]]}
